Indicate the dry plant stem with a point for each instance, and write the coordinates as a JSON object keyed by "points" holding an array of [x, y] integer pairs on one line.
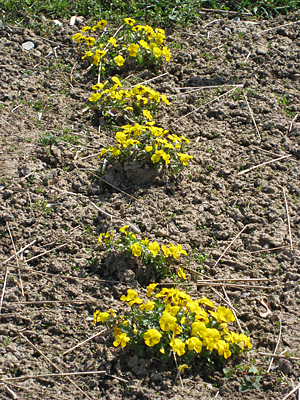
{"points": [[266, 250], [230, 244], [66, 374], [265, 163], [56, 301], [279, 356], [274, 154], [65, 276], [85, 341], [213, 10], [246, 59], [46, 252], [71, 75], [53, 365], [212, 22], [13, 243], [150, 80], [179, 374], [236, 318], [200, 88], [276, 27], [3, 290], [11, 392], [203, 105], [292, 123], [236, 280], [292, 392], [113, 216], [251, 113], [205, 283], [276, 347], [20, 251], [288, 218]]}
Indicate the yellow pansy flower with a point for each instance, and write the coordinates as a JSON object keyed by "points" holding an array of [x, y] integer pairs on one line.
{"points": [[154, 248], [86, 28], [136, 249], [129, 21], [181, 274], [133, 49], [152, 337], [121, 339], [119, 60], [178, 346]]}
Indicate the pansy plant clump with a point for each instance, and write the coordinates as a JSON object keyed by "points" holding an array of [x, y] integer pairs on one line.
{"points": [[135, 104], [102, 47], [148, 145], [171, 323], [150, 254]]}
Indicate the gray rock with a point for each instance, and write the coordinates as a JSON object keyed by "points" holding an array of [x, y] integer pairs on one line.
{"points": [[261, 51], [28, 46]]}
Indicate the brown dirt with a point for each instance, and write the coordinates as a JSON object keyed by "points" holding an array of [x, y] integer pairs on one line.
{"points": [[203, 209]]}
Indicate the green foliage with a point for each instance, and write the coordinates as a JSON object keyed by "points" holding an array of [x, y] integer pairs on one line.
{"points": [[157, 11], [150, 254]]}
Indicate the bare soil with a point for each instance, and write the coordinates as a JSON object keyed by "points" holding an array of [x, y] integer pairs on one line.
{"points": [[48, 187]]}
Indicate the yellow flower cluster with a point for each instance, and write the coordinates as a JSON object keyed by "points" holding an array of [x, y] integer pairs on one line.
{"points": [[145, 143], [136, 103], [150, 253], [146, 44], [173, 319]]}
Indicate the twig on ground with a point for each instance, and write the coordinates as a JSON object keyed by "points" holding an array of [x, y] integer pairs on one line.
{"points": [[3, 289], [71, 75], [265, 163], [46, 252], [17, 260], [276, 347], [114, 216], [11, 392], [274, 154], [62, 374], [292, 392], [150, 80], [205, 283], [230, 244], [51, 41], [178, 370], [279, 356], [20, 251], [195, 89], [251, 113], [276, 27], [203, 105], [266, 250], [292, 123], [288, 218], [206, 276], [236, 279], [213, 10], [32, 271], [212, 22], [236, 318], [85, 341], [246, 59], [55, 301], [53, 365]]}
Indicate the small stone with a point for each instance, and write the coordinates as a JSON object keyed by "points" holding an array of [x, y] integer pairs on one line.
{"points": [[28, 46], [57, 22], [261, 51]]}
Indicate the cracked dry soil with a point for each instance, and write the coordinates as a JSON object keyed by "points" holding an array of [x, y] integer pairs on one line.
{"points": [[47, 190]]}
